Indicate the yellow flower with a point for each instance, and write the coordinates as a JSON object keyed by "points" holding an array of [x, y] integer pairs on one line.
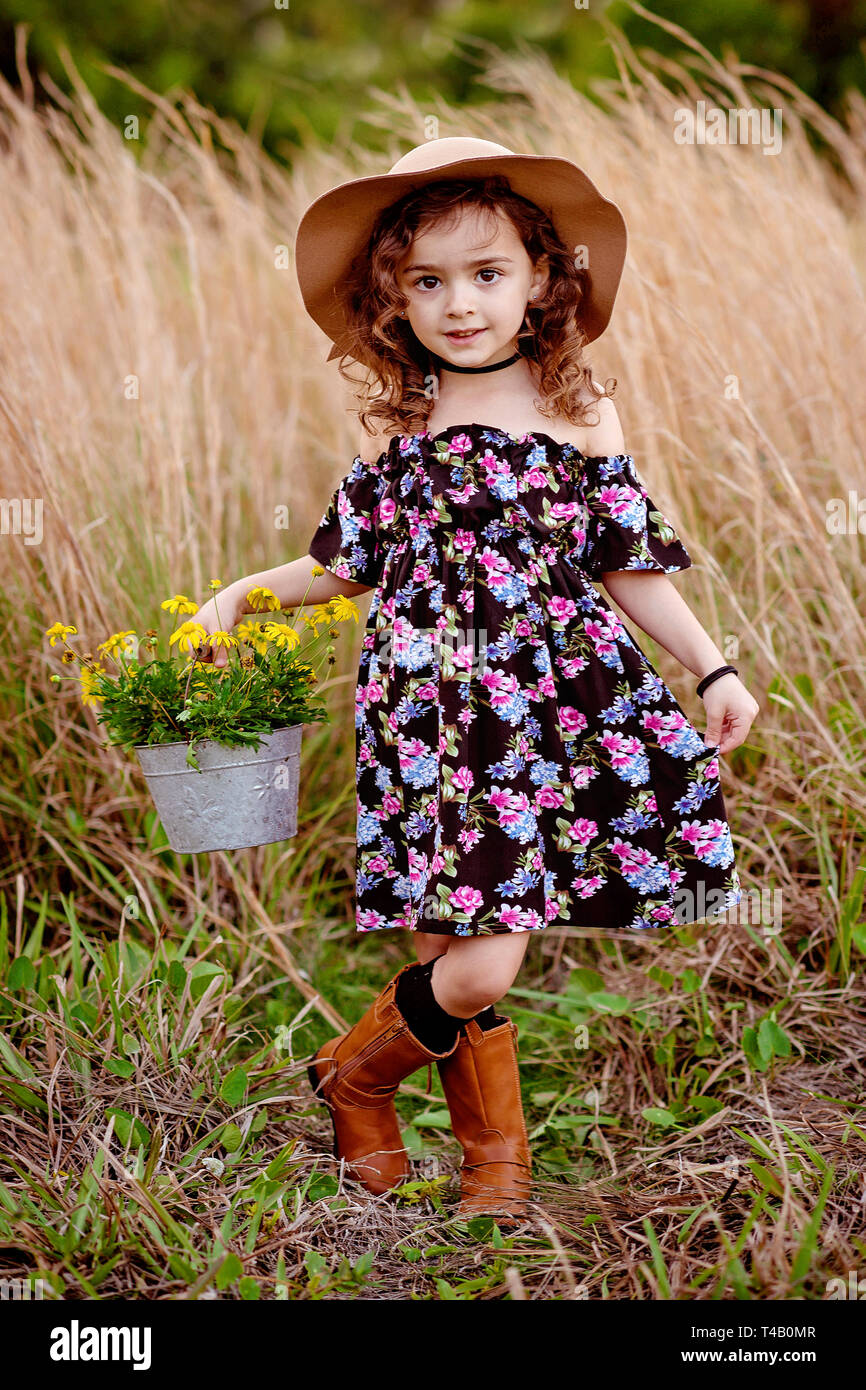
{"points": [[222, 639], [179, 604], [316, 571], [252, 633], [216, 584], [58, 630], [282, 635], [188, 636], [342, 608], [262, 598], [68, 657], [87, 679], [111, 644]]}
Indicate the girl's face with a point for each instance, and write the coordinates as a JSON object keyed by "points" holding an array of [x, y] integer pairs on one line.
{"points": [[458, 282]]}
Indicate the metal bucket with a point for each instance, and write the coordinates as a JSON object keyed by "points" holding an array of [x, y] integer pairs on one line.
{"points": [[242, 797]]}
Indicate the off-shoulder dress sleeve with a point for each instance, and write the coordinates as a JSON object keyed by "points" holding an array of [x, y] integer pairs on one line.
{"points": [[346, 540], [625, 528]]}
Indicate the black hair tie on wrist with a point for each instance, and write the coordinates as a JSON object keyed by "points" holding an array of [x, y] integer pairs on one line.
{"points": [[714, 675]]}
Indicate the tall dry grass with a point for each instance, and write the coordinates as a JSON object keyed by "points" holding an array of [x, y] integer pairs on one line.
{"points": [[737, 345]]}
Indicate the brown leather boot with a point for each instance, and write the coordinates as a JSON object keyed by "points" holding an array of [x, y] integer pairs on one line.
{"points": [[357, 1075], [482, 1088]]}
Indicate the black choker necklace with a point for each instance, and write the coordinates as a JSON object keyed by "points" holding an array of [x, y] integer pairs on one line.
{"points": [[494, 366]]}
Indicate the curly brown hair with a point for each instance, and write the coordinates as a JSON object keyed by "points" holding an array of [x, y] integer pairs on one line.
{"points": [[396, 394]]}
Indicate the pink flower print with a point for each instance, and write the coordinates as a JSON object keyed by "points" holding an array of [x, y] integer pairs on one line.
{"points": [[370, 920], [499, 798], [536, 477], [421, 572], [429, 691], [460, 444], [378, 864], [502, 689], [582, 776], [464, 540], [571, 719], [516, 808], [666, 727], [562, 608], [387, 510], [437, 863], [509, 916], [373, 692], [601, 636], [463, 657], [573, 668], [417, 864], [651, 803], [547, 686], [703, 836], [499, 570], [583, 831], [468, 839], [585, 887], [523, 628], [463, 779], [546, 796], [617, 499], [466, 899], [621, 747]]}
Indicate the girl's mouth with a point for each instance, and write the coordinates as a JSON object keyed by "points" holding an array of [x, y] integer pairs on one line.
{"points": [[465, 337]]}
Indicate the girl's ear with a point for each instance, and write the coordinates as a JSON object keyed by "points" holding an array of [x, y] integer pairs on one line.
{"points": [[542, 269]]}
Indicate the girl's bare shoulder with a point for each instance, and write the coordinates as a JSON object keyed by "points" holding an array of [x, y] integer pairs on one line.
{"points": [[603, 437], [372, 446]]}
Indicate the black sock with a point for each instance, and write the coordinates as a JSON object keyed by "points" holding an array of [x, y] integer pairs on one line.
{"points": [[415, 999], [487, 1019]]}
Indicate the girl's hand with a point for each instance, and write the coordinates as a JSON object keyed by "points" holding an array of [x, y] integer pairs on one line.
{"points": [[229, 614], [731, 712]]}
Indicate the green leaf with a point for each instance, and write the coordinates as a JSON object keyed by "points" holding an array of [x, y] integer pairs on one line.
{"points": [[119, 1068], [231, 1137], [201, 976], [177, 976], [609, 1003], [658, 1116], [22, 973], [433, 1119], [234, 1086], [126, 1125], [230, 1269]]}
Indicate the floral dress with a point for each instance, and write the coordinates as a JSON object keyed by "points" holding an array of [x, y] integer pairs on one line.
{"points": [[519, 761]]}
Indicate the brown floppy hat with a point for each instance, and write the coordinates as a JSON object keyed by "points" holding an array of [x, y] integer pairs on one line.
{"points": [[337, 225]]}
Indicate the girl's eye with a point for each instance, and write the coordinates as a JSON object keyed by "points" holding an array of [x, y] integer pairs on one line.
{"points": [[488, 270]]}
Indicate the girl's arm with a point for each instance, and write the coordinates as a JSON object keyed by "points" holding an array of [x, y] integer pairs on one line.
{"points": [[289, 582], [656, 605], [652, 601]]}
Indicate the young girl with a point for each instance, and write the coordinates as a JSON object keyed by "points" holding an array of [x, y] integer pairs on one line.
{"points": [[519, 760]]}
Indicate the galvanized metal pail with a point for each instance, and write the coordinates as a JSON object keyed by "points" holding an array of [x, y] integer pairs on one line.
{"points": [[242, 797]]}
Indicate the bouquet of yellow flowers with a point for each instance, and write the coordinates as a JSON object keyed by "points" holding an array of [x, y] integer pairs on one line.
{"points": [[264, 685]]}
